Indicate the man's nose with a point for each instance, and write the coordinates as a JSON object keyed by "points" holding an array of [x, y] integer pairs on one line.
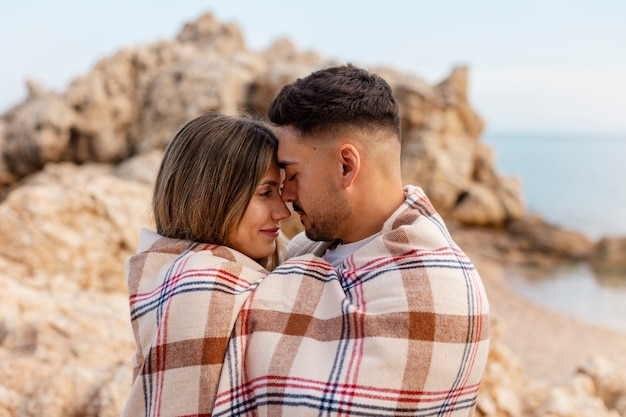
{"points": [[288, 194]]}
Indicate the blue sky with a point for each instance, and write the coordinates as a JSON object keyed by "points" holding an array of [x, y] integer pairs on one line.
{"points": [[537, 66]]}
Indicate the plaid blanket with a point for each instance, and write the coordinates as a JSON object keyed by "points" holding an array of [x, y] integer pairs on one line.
{"points": [[400, 329], [184, 300]]}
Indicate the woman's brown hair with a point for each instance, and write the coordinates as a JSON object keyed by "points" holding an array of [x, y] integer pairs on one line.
{"points": [[208, 175]]}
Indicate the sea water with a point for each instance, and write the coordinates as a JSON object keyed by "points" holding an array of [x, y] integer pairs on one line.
{"points": [[575, 181], [578, 182]]}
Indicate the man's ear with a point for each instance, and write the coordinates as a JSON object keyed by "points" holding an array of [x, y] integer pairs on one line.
{"points": [[351, 163]]}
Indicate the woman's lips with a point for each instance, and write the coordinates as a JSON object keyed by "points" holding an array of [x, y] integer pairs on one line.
{"points": [[273, 231]]}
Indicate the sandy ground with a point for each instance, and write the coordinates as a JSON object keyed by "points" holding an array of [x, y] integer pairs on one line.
{"points": [[550, 345]]}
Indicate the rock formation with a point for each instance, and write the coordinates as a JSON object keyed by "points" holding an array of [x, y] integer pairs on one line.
{"points": [[133, 101], [596, 389], [609, 256], [76, 176]]}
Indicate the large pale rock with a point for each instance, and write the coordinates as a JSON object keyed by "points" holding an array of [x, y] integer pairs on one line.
{"points": [[596, 389], [136, 99], [609, 382], [441, 152], [486, 198], [504, 384], [479, 205], [454, 91], [609, 255], [65, 336], [576, 397], [208, 33], [79, 224], [41, 129], [285, 63], [203, 82], [64, 349], [142, 168], [110, 98], [7, 177], [533, 234]]}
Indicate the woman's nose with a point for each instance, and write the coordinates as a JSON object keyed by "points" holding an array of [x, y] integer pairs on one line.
{"points": [[282, 212]]}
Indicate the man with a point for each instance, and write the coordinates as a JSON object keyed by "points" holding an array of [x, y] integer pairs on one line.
{"points": [[393, 318], [341, 157]]}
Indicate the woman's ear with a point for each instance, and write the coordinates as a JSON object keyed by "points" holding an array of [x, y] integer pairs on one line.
{"points": [[351, 163]]}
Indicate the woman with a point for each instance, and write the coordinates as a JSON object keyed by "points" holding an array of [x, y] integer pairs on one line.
{"points": [[217, 209]]}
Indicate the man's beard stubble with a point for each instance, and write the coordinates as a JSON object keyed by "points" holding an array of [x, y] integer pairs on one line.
{"points": [[325, 224]]}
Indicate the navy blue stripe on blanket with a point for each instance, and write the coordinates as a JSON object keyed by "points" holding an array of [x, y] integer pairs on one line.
{"points": [[188, 287], [326, 276], [355, 409]]}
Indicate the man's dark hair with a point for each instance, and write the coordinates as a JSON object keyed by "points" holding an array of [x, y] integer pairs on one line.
{"points": [[337, 96]]}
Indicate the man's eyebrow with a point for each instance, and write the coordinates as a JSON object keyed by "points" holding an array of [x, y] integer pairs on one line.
{"points": [[285, 164]]}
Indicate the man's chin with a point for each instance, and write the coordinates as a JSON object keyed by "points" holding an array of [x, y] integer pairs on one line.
{"points": [[315, 236]]}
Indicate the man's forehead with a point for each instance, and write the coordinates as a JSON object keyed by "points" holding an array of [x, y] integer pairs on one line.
{"points": [[286, 157], [288, 133], [288, 137], [289, 146]]}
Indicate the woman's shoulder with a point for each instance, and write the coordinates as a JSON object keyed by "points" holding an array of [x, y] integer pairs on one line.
{"points": [[224, 257], [195, 255]]}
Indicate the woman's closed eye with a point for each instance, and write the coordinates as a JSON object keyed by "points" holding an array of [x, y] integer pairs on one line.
{"points": [[267, 190]]}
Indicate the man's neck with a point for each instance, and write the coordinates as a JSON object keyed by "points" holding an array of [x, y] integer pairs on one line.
{"points": [[369, 216]]}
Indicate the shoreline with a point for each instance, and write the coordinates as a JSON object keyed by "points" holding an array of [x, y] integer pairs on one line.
{"points": [[573, 289], [550, 345]]}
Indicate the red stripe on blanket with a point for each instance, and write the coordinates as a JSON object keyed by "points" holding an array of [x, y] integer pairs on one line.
{"points": [[193, 273], [354, 390]]}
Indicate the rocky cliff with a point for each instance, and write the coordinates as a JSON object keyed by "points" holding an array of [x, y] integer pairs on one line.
{"points": [[76, 176], [133, 101]]}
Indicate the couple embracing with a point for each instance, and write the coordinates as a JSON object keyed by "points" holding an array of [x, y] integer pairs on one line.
{"points": [[372, 311]]}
